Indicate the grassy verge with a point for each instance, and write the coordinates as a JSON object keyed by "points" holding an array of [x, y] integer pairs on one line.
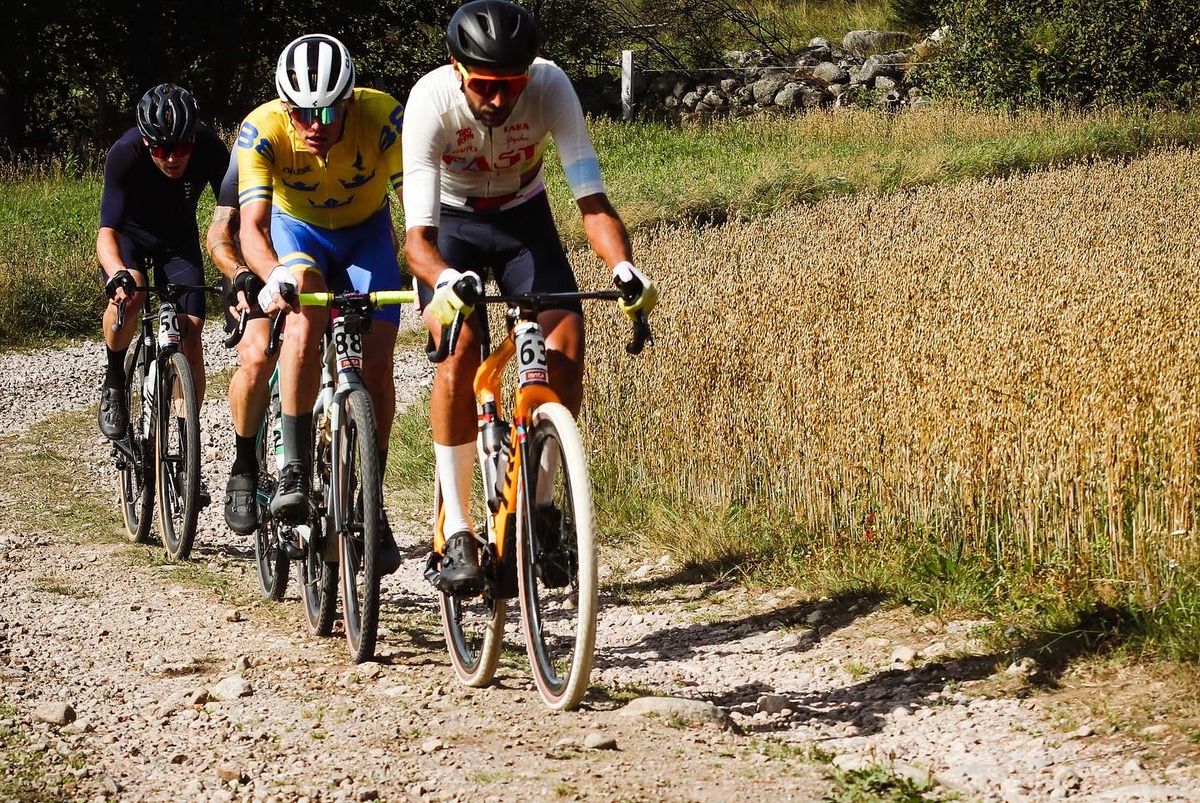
{"points": [[26, 773], [655, 174]]}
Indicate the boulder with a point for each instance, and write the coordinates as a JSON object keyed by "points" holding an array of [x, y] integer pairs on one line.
{"points": [[830, 73], [689, 712], [765, 89]]}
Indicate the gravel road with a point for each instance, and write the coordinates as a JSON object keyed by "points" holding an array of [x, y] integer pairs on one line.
{"points": [[125, 677]]}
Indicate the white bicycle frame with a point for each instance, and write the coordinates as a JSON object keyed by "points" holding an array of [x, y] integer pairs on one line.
{"points": [[339, 377]]}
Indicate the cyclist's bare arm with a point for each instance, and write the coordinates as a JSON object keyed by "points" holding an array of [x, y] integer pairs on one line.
{"points": [[605, 231], [425, 261], [255, 222], [219, 241]]}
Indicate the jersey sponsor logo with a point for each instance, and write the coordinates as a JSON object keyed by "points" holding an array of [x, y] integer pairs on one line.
{"points": [[264, 148], [465, 135], [357, 181], [296, 171], [503, 161], [300, 186], [521, 126], [246, 135], [357, 164]]}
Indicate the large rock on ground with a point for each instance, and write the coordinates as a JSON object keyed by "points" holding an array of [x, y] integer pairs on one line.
{"points": [[678, 709]]}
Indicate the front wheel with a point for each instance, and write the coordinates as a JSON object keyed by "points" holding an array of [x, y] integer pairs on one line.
{"points": [[136, 474], [178, 447], [361, 495], [556, 558], [473, 626]]}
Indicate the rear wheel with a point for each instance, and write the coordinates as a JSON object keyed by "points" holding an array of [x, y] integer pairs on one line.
{"points": [[178, 465], [473, 626], [556, 559], [362, 494], [136, 474]]}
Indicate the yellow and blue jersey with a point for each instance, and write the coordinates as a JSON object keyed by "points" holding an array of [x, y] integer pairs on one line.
{"points": [[346, 187]]}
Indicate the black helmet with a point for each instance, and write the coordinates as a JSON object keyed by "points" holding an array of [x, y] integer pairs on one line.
{"points": [[492, 33], [167, 115]]}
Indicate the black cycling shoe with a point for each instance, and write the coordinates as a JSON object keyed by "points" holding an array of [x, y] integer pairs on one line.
{"points": [[290, 503], [389, 553], [114, 417], [556, 565], [460, 573], [241, 502]]}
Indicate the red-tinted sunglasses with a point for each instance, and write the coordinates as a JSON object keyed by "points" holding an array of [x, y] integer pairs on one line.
{"points": [[180, 149], [488, 85]]}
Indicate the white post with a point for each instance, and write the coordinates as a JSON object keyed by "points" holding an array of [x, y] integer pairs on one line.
{"points": [[626, 84]]}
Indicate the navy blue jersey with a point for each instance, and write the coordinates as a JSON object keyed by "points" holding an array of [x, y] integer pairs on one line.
{"points": [[144, 205], [228, 196]]}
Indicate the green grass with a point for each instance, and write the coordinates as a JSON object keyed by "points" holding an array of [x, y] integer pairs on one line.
{"points": [[878, 784], [26, 773], [655, 174]]}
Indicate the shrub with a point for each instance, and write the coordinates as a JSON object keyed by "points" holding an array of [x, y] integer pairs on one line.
{"points": [[1074, 52]]}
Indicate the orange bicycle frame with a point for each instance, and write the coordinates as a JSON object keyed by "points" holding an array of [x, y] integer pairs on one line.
{"points": [[487, 386]]}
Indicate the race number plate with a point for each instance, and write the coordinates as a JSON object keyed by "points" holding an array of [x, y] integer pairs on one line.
{"points": [[531, 355]]}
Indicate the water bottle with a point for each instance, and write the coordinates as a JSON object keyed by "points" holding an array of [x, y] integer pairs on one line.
{"points": [[495, 449]]}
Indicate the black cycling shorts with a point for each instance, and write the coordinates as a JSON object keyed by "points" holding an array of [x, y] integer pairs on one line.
{"points": [[174, 268], [519, 247]]}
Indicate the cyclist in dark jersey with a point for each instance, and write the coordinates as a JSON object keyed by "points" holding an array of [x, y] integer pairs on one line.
{"points": [[153, 178]]}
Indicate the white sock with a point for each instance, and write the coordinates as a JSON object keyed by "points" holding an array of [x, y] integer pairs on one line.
{"points": [[547, 468], [455, 468]]}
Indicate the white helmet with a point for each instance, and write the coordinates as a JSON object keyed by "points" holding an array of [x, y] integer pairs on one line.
{"points": [[314, 71]]}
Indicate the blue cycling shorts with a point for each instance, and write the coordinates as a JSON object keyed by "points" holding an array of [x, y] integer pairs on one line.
{"points": [[361, 258]]}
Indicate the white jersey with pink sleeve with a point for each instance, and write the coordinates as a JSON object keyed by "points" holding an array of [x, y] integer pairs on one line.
{"points": [[453, 159]]}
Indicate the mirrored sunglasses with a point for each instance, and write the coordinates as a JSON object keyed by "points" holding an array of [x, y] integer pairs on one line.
{"points": [[324, 115]]}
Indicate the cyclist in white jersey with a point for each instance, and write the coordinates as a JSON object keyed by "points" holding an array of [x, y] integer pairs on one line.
{"points": [[475, 134]]}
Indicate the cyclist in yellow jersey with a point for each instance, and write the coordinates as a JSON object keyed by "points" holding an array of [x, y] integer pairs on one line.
{"points": [[314, 168]]}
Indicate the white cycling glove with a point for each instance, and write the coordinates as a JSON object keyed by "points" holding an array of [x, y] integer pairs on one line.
{"points": [[445, 303], [280, 278], [629, 278]]}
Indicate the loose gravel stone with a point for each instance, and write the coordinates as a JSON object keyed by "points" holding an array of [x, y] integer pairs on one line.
{"points": [[55, 713], [600, 741]]}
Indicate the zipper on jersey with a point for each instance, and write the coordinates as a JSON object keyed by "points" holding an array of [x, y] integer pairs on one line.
{"points": [[487, 190]]}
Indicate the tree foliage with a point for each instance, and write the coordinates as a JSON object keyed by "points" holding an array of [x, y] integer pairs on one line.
{"points": [[1074, 52], [71, 73]]}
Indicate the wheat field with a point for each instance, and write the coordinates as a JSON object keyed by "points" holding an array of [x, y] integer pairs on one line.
{"points": [[1008, 366]]}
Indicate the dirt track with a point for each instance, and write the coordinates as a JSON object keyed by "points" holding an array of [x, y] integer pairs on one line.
{"points": [[135, 646]]}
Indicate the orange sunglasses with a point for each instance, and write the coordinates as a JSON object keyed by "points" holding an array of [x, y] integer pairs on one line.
{"points": [[487, 85]]}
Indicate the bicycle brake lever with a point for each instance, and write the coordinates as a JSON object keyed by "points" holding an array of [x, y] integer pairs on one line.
{"points": [[448, 341], [642, 336], [276, 332], [240, 330], [116, 327]]}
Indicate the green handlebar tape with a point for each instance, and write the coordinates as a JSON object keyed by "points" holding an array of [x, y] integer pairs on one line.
{"points": [[385, 297], [315, 299], [379, 298]]}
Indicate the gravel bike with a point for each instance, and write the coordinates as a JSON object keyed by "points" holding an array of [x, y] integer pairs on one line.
{"points": [[274, 542], [543, 554], [346, 514], [160, 451]]}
